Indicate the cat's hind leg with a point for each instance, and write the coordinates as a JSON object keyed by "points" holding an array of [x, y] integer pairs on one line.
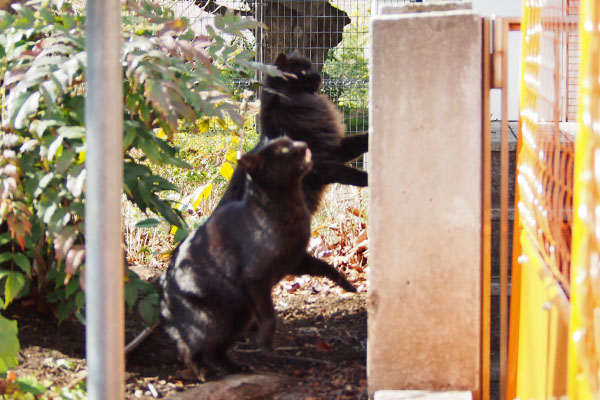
{"points": [[266, 318]]}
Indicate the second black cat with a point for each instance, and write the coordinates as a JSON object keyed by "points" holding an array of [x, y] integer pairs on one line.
{"points": [[291, 106]]}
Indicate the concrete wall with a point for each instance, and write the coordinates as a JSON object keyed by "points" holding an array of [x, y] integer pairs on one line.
{"points": [[425, 202]]}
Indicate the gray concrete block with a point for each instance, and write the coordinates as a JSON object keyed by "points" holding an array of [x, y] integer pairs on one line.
{"points": [[421, 395], [425, 202], [432, 6]]}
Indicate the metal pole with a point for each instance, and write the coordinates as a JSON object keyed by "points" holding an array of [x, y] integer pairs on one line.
{"points": [[486, 226], [104, 163]]}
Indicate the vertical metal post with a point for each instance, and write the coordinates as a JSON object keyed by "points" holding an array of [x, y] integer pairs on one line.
{"points": [[486, 240], [260, 17], [502, 36], [500, 81], [104, 163]]}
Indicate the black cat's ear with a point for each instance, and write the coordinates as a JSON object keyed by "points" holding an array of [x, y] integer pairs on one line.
{"points": [[281, 60]]}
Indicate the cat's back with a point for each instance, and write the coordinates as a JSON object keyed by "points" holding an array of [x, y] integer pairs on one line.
{"points": [[208, 253], [311, 118]]}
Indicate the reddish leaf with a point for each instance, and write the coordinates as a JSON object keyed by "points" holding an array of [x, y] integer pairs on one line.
{"points": [[356, 212], [322, 345], [202, 41], [19, 227], [172, 27]]}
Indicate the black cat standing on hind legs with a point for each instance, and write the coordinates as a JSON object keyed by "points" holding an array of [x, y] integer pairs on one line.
{"points": [[221, 276]]}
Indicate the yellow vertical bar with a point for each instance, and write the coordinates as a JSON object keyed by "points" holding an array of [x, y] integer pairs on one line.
{"points": [[583, 360], [515, 297]]}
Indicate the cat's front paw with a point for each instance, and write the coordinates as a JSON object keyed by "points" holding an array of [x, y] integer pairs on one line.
{"points": [[267, 345]]}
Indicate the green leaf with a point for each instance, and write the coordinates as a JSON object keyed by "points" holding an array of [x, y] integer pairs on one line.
{"points": [[130, 128], [181, 234], [29, 384], [154, 93], [64, 241], [72, 132], [131, 294], [47, 15], [166, 211], [148, 223], [6, 20], [144, 191], [39, 126], [67, 21], [64, 161], [64, 310], [48, 212], [219, 22], [80, 299], [20, 106], [59, 220], [72, 287], [9, 344], [4, 257], [5, 238], [143, 286], [15, 281], [54, 146], [46, 180], [148, 309], [23, 262], [75, 184], [150, 149]]}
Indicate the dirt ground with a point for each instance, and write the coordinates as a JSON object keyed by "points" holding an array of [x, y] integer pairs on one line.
{"points": [[320, 348]]}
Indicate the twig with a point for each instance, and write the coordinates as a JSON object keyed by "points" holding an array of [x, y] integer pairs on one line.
{"points": [[82, 376], [132, 345], [307, 359], [259, 350], [139, 339]]}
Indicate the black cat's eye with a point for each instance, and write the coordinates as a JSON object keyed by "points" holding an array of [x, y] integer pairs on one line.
{"points": [[285, 149]]}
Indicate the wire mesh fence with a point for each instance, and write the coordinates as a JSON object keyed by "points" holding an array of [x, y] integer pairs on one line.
{"points": [[542, 242], [334, 35], [546, 156]]}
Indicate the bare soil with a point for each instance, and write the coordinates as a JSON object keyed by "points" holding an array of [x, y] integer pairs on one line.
{"points": [[320, 347]]}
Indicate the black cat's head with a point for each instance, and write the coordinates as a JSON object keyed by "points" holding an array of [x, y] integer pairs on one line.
{"points": [[281, 163], [300, 76]]}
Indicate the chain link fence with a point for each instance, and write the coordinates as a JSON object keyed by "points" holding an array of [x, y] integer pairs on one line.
{"points": [[334, 35]]}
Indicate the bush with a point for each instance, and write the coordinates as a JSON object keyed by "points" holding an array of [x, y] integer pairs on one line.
{"points": [[169, 75]]}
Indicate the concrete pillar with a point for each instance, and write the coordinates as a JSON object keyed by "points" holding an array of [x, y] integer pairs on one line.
{"points": [[428, 7], [425, 202]]}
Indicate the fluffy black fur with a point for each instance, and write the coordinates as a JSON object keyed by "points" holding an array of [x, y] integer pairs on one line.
{"points": [[291, 106], [221, 276]]}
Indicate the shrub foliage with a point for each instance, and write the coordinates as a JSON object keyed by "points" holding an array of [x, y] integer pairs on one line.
{"points": [[169, 74]]}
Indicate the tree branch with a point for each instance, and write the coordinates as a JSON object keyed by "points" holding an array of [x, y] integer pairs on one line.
{"points": [[211, 6]]}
